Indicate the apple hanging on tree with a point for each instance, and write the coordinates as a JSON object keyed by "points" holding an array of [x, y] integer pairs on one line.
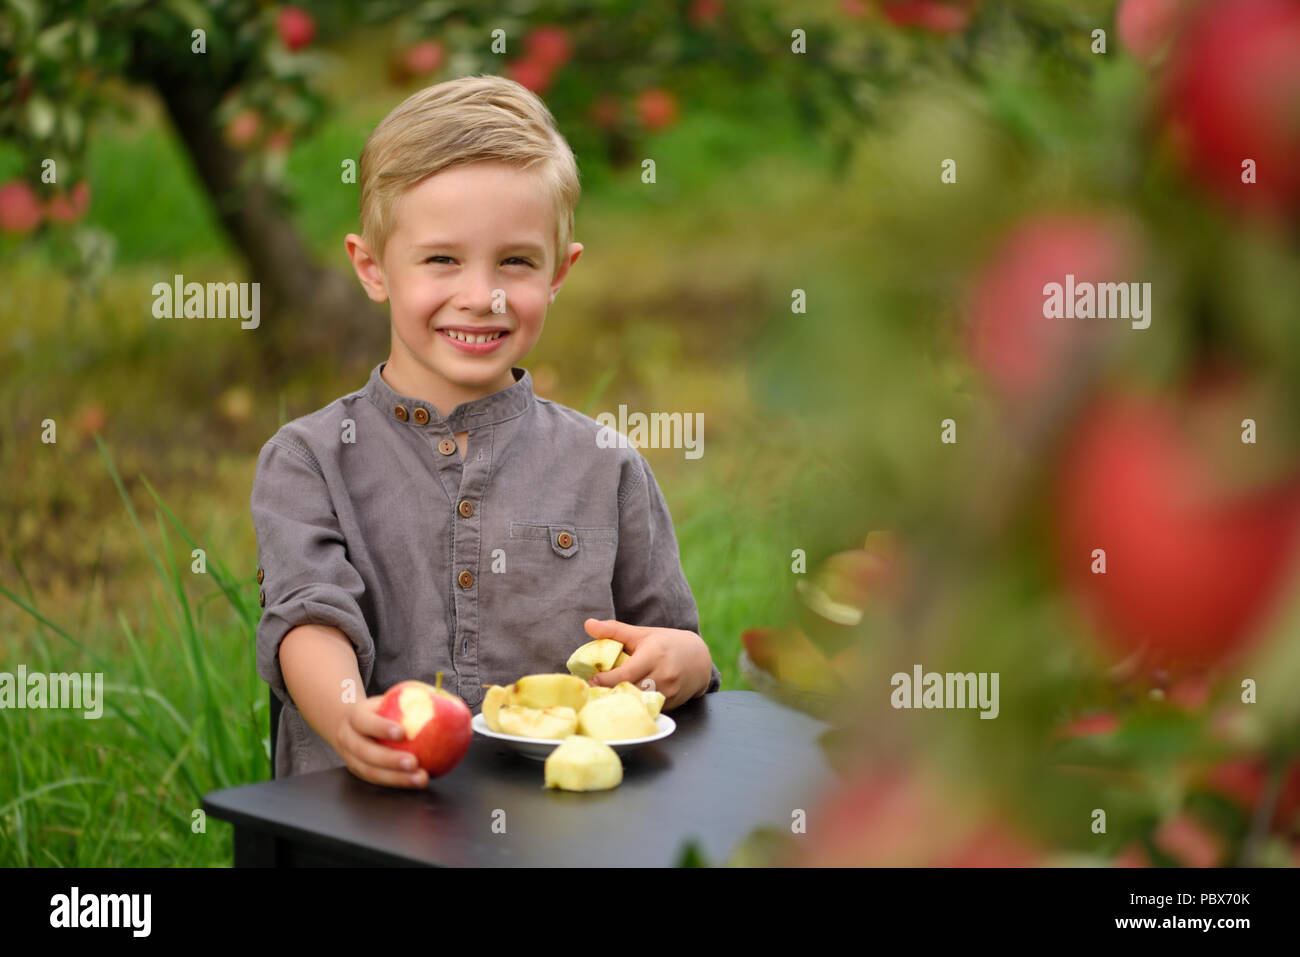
{"points": [[297, 28], [436, 723]]}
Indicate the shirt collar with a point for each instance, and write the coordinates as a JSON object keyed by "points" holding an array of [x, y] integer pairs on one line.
{"points": [[488, 410]]}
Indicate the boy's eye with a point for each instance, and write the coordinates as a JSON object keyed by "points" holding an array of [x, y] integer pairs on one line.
{"points": [[511, 259]]}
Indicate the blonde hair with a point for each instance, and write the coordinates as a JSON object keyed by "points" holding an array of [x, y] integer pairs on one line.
{"points": [[462, 121]]}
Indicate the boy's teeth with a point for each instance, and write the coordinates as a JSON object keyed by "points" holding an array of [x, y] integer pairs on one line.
{"points": [[467, 338]]}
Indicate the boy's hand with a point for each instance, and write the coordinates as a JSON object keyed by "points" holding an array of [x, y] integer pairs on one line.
{"points": [[677, 661], [366, 757]]}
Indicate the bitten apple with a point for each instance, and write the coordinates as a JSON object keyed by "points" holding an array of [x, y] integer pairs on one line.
{"points": [[436, 723]]}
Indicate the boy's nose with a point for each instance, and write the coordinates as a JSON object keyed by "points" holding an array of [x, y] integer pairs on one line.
{"points": [[476, 291]]}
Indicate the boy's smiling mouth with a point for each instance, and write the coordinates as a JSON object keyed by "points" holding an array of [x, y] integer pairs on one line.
{"points": [[473, 335], [474, 341]]}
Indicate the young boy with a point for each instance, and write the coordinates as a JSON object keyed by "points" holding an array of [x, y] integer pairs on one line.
{"points": [[443, 517]]}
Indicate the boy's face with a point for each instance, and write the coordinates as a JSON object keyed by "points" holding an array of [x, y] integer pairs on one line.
{"points": [[464, 239]]}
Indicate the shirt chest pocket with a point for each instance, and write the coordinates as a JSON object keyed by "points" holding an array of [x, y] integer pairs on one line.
{"points": [[553, 560]]}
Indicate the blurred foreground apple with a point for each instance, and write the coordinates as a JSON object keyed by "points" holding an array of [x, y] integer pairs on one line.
{"points": [[934, 16], [436, 723], [1232, 94], [892, 817], [1146, 26], [1192, 567], [1021, 352], [1242, 781]]}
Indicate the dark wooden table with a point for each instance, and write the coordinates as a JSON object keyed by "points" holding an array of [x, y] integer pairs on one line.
{"points": [[737, 760]]}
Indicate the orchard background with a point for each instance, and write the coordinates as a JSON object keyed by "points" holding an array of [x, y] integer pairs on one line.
{"points": [[840, 262]]}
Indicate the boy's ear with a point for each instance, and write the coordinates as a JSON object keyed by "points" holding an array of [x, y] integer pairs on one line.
{"points": [[571, 257], [367, 267]]}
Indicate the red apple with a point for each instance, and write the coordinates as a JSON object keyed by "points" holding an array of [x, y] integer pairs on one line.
{"points": [[548, 46], [1232, 93], [1132, 855], [531, 74], [297, 27], [1145, 26], [1021, 351], [1192, 568], [657, 109], [70, 207], [930, 15], [704, 13], [423, 58], [20, 210], [243, 128], [436, 722], [1188, 841]]}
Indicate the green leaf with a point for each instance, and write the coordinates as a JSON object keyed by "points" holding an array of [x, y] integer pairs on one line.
{"points": [[72, 125], [50, 41], [193, 14], [40, 116], [691, 856]]}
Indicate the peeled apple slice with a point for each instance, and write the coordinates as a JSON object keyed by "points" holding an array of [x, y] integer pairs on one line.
{"points": [[616, 717], [496, 696], [582, 764], [653, 700], [549, 691], [599, 655], [551, 723]]}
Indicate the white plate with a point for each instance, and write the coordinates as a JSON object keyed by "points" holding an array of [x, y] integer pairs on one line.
{"points": [[540, 748]]}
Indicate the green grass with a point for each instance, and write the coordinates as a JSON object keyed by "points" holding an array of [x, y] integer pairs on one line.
{"points": [[184, 713]]}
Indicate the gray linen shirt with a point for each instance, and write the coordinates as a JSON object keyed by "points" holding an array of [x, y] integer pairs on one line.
{"points": [[368, 520]]}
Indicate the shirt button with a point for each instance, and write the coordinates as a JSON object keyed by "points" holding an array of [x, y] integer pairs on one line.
{"points": [[400, 412], [447, 446], [465, 579], [564, 539], [466, 508], [421, 416], [261, 597], [261, 575]]}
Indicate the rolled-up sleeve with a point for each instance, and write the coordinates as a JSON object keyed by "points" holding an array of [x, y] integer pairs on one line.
{"points": [[649, 585], [302, 555]]}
